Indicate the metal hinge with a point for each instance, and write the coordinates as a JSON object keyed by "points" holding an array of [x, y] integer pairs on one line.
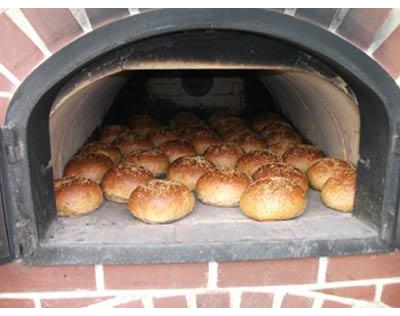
{"points": [[13, 147]]}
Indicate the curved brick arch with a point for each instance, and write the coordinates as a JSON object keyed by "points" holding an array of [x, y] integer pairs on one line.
{"points": [[30, 36]]}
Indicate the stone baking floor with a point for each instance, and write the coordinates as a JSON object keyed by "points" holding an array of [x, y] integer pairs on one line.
{"points": [[113, 224]]}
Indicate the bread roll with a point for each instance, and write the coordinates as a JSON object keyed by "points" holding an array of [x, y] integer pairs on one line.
{"points": [[276, 126], [217, 118], [281, 147], [222, 187], [175, 149], [119, 182], [248, 142], [323, 169], [127, 143], [143, 124], [279, 137], [231, 127], [102, 148], [202, 140], [162, 135], [339, 191], [161, 201], [302, 156], [282, 170], [184, 119], [250, 162], [187, 170], [76, 196], [91, 166], [153, 160], [187, 131], [264, 119], [275, 198], [111, 132], [224, 155]]}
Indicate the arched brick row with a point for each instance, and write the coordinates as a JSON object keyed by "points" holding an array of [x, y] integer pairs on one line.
{"points": [[27, 43]]}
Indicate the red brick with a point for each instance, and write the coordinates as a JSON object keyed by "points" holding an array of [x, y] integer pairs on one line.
{"points": [[391, 295], [155, 276], [361, 25], [131, 304], [213, 300], [72, 302], [387, 54], [17, 52], [3, 109], [357, 292], [363, 267], [272, 272], [170, 302], [320, 16], [16, 277], [16, 303], [56, 27], [99, 17], [332, 304], [256, 300], [295, 301], [6, 85]]}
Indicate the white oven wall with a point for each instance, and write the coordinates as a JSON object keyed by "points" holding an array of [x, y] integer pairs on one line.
{"points": [[76, 115], [320, 111]]}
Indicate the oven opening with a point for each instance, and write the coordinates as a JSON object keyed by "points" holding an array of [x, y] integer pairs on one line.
{"points": [[206, 72]]}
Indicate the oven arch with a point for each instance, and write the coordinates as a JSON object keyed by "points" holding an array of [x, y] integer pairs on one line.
{"points": [[378, 96]]}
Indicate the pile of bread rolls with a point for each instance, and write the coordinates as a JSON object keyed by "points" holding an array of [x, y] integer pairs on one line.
{"points": [[260, 165]]}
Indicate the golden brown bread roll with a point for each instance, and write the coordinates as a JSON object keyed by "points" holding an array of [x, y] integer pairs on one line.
{"points": [[187, 170], [276, 126], [102, 148], [151, 159], [264, 119], [275, 198], [217, 118], [111, 132], [281, 147], [175, 149], [161, 201], [127, 143], [203, 140], [282, 170], [302, 156], [224, 155], [339, 191], [184, 119], [323, 169], [250, 162], [119, 182], [76, 196], [222, 187], [278, 137], [143, 124], [91, 166], [248, 142], [189, 130], [162, 135], [231, 127]]}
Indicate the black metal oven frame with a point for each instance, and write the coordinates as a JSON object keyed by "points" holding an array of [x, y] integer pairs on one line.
{"points": [[26, 177]]}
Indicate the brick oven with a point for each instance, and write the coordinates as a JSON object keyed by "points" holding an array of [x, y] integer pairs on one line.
{"points": [[331, 72]]}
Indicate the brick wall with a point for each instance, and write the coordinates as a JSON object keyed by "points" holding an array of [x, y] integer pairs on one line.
{"points": [[29, 36], [352, 281]]}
